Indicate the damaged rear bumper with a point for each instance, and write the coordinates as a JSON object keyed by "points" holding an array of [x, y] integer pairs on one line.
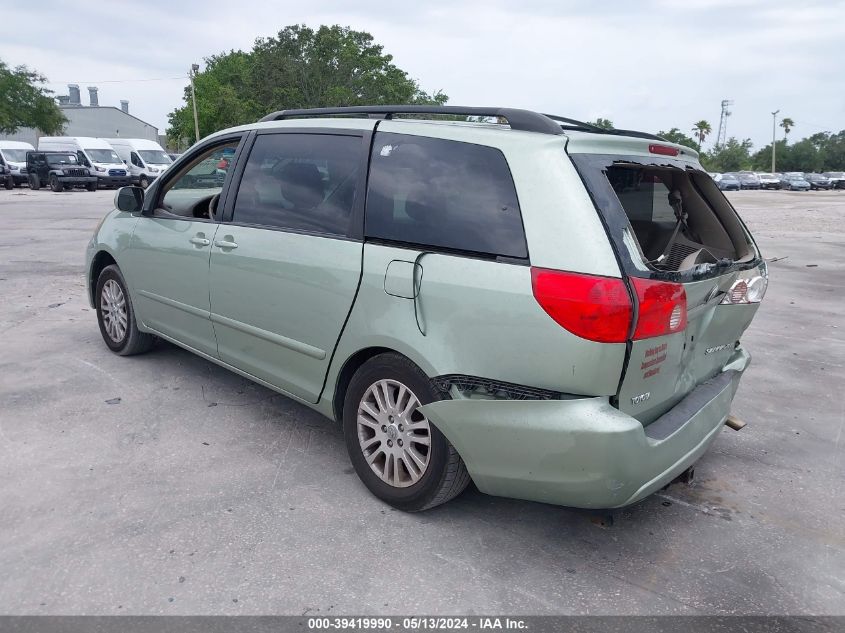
{"points": [[583, 453]]}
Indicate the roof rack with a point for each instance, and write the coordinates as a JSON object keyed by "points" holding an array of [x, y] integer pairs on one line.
{"points": [[524, 120]]}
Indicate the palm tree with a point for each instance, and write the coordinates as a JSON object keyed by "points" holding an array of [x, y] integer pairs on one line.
{"points": [[787, 124], [701, 130]]}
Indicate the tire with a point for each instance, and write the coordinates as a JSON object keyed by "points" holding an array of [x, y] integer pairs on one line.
{"points": [[91, 186], [144, 182], [9, 183], [56, 184], [34, 182], [112, 295], [441, 477]]}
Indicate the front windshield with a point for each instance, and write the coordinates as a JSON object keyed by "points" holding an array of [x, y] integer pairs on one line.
{"points": [[15, 155], [103, 156], [154, 157], [766, 176], [61, 159]]}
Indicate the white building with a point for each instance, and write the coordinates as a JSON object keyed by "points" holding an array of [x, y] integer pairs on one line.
{"points": [[92, 120]]}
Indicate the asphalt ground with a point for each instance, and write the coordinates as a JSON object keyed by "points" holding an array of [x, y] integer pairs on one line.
{"points": [[163, 484]]}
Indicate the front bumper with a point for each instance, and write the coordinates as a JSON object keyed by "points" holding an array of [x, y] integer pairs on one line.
{"points": [[73, 181], [114, 181], [583, 452]]}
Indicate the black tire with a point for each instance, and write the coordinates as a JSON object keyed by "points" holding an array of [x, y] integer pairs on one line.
{"points": [[144, 182], [445, 475], [91, 186], [34, 182], [133, 340], [9, 183], [56, 184]]}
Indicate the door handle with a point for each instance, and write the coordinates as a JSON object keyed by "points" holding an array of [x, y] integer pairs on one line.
{"points": [[199, 241], [225, 244]]}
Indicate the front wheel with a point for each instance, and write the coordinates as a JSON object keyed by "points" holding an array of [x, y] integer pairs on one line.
{"points": [[91, 186], [144, 182], [56, 184], [397, 452], [116, 316], [34, 182], [9, 183]]}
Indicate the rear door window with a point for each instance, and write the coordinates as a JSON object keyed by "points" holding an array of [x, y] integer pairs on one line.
{"points": [[443, 194], [302, 182]]}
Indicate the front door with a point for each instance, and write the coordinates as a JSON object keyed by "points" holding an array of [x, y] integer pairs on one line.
{"points": [[170, 248], [286, 262]]}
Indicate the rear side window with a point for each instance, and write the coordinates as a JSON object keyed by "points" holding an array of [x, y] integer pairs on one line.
{"points": [[302, 182], [445, 194]]}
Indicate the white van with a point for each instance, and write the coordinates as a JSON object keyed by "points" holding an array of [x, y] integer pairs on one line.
{"points": [[94, 153], [145, 159], [13, 153]]}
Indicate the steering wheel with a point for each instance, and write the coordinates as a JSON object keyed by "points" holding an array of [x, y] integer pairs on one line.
{"points": [[212, 206]]}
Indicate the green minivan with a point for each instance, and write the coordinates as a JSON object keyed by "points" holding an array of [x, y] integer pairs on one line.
{"points": [[549, 309]]}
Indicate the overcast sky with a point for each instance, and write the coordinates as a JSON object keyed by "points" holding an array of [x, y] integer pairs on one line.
{"points": [[648, 65]]}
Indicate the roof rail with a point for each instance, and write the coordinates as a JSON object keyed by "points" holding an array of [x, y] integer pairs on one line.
{"points": [[524, 120]]}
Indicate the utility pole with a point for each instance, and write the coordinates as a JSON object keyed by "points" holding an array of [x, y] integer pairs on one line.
{"points": [[774, 124], [723, 123], [194, 69]]}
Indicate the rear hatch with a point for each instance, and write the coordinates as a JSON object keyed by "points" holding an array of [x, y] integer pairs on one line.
{"points": [[694, 273]]}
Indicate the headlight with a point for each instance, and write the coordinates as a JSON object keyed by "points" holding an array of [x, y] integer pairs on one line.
{"points": [[98, 168], [154, 170], [14, 167]]}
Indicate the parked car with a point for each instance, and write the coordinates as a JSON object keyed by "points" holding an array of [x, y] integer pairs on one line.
{"points": [[13, 154], [451, 294], [748, 180], [794, 182], [144, 159], [818, 181], [769, 181], [59, 170], [173, 156], [93, 153], [6, 175], [837, 179], [728, 182]]}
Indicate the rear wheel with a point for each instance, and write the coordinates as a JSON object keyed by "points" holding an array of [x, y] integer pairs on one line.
{"points": [[34, 182], [399, 455], [116, 315], [56, 184]]}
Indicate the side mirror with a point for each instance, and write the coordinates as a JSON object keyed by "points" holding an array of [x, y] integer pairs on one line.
{"points": [[129, 199]]}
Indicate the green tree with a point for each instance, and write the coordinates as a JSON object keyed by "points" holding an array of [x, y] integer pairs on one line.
{"points": [[833, 153], [732, 156], [605, 124], [298, 68], [701, 129], [674, 135], [787, 124], [25, 104], [761, 160]]}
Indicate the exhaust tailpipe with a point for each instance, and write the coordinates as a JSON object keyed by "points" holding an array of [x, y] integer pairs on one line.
{"points": [[735, 423]]}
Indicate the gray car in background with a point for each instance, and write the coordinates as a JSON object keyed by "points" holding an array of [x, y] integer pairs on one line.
{"points": [[837, 179], [794, 182], [728, 182]]}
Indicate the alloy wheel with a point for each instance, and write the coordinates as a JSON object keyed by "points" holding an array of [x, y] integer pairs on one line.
{"points": [[113, 309], [394, 436]]}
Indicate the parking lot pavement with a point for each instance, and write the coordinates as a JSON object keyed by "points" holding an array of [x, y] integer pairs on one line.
{"points": [[164, 484]]}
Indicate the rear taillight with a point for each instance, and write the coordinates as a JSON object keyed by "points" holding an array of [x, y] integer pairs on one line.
{"points": [[599, 308], [751, 290], [592, 307], [662, 308]]}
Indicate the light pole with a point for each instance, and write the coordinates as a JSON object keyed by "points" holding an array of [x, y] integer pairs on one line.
{"points": [[774, 123], [194, 69]]}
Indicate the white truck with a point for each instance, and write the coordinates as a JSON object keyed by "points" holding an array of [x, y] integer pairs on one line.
{"points": [[95, 153], [145, 159], [13, 154]]}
